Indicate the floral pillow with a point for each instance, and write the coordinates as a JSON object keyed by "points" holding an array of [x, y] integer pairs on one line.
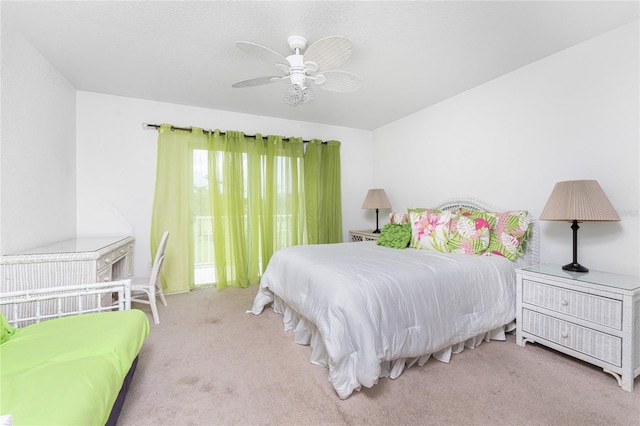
{"points": [[421, 210], [395, 235], [471, 231], [397, 217], [431, 231], [509, 233]]}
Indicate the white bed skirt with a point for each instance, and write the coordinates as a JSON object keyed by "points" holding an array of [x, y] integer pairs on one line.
{"points": [[306, 333], [369, 311]]}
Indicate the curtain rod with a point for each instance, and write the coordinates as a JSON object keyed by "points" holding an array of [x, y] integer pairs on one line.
{"points": [[189, 129]]}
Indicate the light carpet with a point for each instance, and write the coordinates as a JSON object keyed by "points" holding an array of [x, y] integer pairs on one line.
{"points": [[211, 363]]}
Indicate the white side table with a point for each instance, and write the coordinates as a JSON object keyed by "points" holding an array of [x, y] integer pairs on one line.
{"points": [[593, 316], [360, 236]]}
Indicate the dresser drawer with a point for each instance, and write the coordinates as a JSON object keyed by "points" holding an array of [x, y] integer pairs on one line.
{"points": [[104, 276], [584, 306], [104, 261], [121, 252], [593, 343]]}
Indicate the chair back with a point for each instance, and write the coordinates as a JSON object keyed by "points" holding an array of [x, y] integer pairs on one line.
{"points": [[161, 247], [154, 279]]}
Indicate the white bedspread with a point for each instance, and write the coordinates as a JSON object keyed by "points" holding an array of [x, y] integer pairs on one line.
{"points": [[367, 311]]}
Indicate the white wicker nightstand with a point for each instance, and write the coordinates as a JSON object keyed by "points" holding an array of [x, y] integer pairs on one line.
{"points": [[359, 236], [593, 316]]}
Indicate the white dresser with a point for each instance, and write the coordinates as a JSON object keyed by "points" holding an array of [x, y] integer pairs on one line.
{"points": [[593, 316], [77, 261]]}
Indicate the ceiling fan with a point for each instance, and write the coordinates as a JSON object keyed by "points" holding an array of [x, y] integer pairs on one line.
{"points": [[316, 64]]}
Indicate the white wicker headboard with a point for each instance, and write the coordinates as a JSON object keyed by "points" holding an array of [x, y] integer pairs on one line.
{"points": [[532, 247]]}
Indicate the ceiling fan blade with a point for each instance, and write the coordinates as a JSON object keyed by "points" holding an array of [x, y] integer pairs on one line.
{"points": [[263, 53], [340, 81], [329, 52], [258, 81]]}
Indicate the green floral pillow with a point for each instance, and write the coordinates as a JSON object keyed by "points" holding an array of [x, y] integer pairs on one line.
{"points": [[509, 234], [6, 329], [431, 231], [471, 231], [395, 235]]}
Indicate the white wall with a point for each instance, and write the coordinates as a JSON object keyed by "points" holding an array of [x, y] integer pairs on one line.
{"points": [[116, 161], [38, 183], [572, 115]]}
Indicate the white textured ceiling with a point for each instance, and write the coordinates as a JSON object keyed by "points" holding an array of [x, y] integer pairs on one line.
{"points": [[410, 54]]}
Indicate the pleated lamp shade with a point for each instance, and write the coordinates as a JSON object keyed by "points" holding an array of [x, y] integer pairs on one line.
{"points": [[580, 200], [376, 199]]}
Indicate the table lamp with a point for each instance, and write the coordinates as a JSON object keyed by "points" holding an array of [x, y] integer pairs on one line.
{"points": [[376, 199], [578, 201]]}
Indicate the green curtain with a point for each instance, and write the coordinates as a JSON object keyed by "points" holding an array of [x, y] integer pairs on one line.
{"points": [[264, 194], [257, 203], [322, 188], [171, 206]]}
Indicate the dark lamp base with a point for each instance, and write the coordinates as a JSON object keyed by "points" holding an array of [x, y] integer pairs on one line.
{"points": [[575, 267], [377, 231]]}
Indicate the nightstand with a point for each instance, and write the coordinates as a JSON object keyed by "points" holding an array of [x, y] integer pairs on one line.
{"points": [[592, 316], [359, 236]]}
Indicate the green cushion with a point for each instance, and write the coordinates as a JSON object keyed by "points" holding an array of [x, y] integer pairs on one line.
{"points": [[6, 329], [395, 235]]}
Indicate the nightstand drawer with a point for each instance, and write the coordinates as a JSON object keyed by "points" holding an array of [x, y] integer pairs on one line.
{"points": [[359, 236], [584, 306], [593, 343]]}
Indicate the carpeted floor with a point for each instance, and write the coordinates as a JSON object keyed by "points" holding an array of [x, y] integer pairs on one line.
{"points": [[210, 363]]}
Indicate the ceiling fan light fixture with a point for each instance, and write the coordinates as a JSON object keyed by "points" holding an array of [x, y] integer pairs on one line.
{"points": [[298, 95], [307, 96]]}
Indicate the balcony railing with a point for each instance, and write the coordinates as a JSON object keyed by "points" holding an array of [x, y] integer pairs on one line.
{"points": [[204, 258], [204, 272]]}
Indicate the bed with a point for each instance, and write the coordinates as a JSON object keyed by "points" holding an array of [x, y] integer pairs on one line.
{"points": [[369, 311], [73, 366]]}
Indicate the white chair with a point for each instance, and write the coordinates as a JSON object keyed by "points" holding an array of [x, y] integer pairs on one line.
{"points": [[147, 291]]}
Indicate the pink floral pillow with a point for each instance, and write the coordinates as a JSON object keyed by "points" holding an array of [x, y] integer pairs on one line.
{"points": [[509, 232], [431, 231], [397, 217], [422, 210], [471, 231]]}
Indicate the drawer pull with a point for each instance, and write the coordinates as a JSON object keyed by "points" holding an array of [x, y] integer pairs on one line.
{"points": [[564, 334], [564, 302]]}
